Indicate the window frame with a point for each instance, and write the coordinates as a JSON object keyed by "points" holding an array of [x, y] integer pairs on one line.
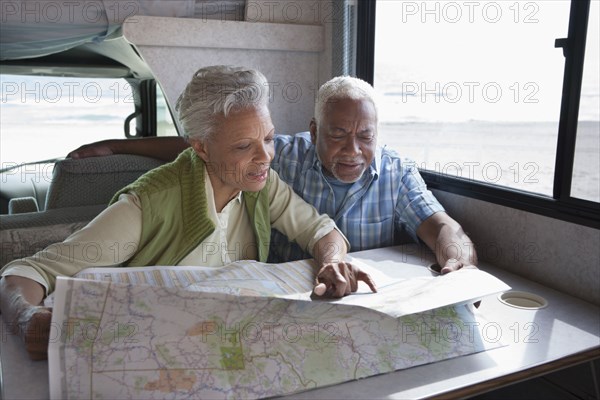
{"points": [[561, 205]]}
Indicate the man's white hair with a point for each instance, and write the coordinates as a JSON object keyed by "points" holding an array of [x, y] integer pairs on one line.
{"points": [[343, 87], [219, 90]]}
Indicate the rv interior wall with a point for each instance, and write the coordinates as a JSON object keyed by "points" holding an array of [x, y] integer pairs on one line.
{"points": [[558, 254], [289, 42]]}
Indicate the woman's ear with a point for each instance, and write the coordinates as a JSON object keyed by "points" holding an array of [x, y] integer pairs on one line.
{"points": [[200, 148]]}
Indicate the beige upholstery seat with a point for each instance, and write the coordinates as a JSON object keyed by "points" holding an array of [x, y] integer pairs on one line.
{"points": [[94, 180]]}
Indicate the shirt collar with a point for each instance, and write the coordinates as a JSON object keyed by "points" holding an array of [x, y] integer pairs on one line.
{"points": [[210, 196]]}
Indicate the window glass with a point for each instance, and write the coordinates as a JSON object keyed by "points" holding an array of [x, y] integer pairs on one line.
{"points": [[46, 117], [164, 122], [586, 168], [473, 89]]}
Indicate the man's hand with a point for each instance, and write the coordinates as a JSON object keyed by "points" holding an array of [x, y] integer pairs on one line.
{"points": [[452, 264], [97, 149], [340, 279], [452, 247]]}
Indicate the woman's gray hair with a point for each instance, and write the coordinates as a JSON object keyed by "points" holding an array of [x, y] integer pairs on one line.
{"points": [[219, 90], [343, 87]]}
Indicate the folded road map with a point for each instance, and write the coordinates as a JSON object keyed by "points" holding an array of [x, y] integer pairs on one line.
{"points": [[250, 330]]}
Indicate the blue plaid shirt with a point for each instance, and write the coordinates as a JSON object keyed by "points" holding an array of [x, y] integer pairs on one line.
{"points": [[389, 200]]}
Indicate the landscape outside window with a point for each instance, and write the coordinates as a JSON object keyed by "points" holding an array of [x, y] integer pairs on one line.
{"points": [[473, 89], [45, 117]]}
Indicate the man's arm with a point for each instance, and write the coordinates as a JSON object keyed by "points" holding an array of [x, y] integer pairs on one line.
{"points": [[336, 278], [445, 237], [165, 148], [20, 300]]}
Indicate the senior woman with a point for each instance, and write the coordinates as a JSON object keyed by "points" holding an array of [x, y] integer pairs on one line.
{"points": [[216, 203]]}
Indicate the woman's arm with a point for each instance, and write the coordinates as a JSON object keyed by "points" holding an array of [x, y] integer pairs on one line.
{"points": [[109, 239], [318, 235]]}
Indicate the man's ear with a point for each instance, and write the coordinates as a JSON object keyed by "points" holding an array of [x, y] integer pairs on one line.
{"points": [[313, 130], [199, 147]]}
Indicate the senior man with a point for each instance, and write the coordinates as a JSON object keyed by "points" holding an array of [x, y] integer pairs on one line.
{"points": [[371, 193]]}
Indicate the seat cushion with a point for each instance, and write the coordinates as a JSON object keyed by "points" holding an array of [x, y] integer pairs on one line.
{"points": [[94, 180]]}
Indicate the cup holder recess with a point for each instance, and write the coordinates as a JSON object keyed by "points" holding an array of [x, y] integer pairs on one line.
{"points": [[523, 300]]}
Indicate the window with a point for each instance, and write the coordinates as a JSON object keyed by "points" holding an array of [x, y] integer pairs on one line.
{"points": [[46, 117], [473, 89], [586, 167], [526, 184], [164, 122]]}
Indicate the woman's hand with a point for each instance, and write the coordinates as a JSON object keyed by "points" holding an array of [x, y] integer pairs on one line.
{"points": [[19, 302], [340, 279], [335, 277], [33, 326]]}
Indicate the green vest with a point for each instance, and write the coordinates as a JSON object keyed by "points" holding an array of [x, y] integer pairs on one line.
{"points": [[175, 212]]}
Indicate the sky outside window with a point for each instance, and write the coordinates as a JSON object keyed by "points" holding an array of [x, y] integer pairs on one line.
{"points": [[473, 89]]}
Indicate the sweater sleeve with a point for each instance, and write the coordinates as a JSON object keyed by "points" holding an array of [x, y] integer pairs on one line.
{"points": [[110, 239], [295, 218]]}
